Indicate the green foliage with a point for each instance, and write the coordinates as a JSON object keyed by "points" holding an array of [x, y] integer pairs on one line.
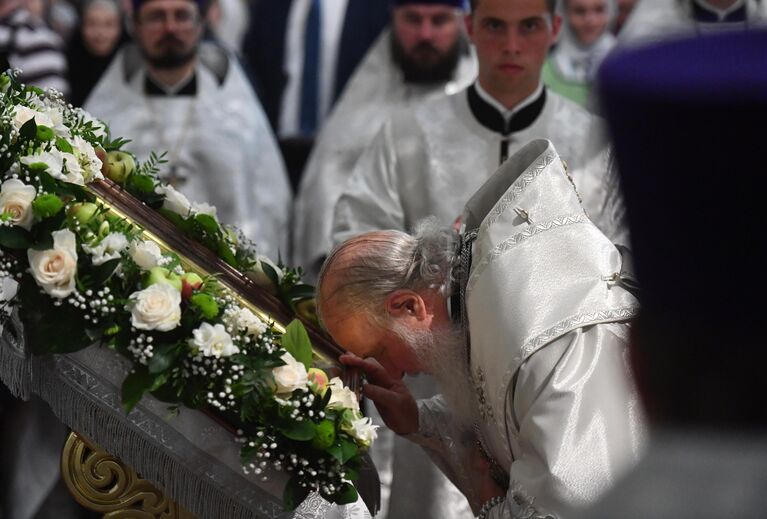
{"points": [[138, 382], [14, 237], [206, 304], [294, 494], [296, 341], [45, 206]]}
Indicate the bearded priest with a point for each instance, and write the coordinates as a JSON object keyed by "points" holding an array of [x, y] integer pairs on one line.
{"points": [[172, 93], [524, 322]]}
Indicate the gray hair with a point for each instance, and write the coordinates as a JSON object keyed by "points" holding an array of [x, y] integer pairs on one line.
{"points": [[371, 266]]}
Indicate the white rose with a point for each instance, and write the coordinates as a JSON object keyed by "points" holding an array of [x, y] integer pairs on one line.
{"points": [[291, 376], [342, 396], [244, 319], [55, 269], [175, 201], [89, 162], [16, 201], [157, 307], [146, 254], [22, 114], [55, 161], [362, 430], [108, 249], [213, 341], [203, 208]]}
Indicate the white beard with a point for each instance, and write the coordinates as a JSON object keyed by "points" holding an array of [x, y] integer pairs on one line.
{"points": [[443, 355]]}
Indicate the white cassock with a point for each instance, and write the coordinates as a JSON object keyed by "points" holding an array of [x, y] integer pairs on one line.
{"points": [[428, 160], [376, 89], [547, 319], [657, 20], [220, 148]]}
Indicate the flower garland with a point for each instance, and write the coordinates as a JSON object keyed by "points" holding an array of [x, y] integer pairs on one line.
{"points": [[87, 275]]}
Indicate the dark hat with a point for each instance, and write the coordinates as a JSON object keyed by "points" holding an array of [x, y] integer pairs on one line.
{"points": [[458, 4], [688, 120], [689, 125]]}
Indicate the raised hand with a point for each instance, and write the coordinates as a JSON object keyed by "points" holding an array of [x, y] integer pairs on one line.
{"points": [[391, 397]]}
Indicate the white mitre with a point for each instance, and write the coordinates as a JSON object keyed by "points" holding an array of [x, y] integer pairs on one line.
{"points": [[541, 263]]}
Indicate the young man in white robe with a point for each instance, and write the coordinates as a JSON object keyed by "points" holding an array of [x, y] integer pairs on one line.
{"points": [[429, 159], [424, 54], [192, 100], [525, 325]]}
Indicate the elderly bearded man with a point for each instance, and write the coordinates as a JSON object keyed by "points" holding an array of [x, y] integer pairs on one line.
{"points": [[542, 384]]}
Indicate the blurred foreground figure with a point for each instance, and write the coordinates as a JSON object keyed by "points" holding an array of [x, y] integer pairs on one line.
{"points": [[194, 101], [696, 213], [424, 54], [655, 20], [524, 325]]}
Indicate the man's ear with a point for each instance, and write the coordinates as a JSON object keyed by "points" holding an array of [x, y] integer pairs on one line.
{"points": [[406, 304]]}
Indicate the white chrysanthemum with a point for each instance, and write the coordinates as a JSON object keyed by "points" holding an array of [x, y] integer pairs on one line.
{"points": [[213, 341]]}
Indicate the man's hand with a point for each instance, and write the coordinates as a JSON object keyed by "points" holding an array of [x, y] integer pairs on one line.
{"points": [[392, 398]]}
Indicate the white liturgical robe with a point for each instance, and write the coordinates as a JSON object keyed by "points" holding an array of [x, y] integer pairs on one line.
{"points": [[376, 89], [220, 149], [428, 160], [547, 318], [657, 20]]}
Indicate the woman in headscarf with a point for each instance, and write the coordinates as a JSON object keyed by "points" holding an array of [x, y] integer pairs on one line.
{"points": [[93, 46], [584, 41]]}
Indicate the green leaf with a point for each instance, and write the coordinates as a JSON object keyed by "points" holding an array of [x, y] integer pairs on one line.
{"points": [[294, 494], [270, 273], [47, 205], [100, 274], [343, 450], [63, 145], [207, 223], [48, 328], [346, 495], [14, 237], [304, 430], [141, 183], [300, 291], [44, 133], [296, 341], [28, 130], [163, 358], [136, 384]]}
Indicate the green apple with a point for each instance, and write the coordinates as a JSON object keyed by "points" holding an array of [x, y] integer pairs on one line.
{"points": [[162, 275], [119, 165], [83, 212]]}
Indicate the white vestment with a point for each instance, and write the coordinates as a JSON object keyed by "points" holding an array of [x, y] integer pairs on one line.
{"points": [[546, 316], [376, 89], [218, 140], [428, 161], [657, 20]]}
